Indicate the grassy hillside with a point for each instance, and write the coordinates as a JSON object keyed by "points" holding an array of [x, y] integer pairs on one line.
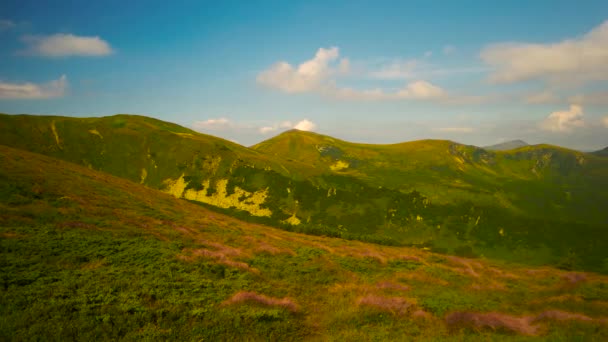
{"points": [[602, 153], [538, 204], [89, 256]]}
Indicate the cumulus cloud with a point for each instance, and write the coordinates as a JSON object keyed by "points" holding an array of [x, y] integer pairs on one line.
{"points": [[275, 127], [28, 90], [564, 121], [212, 124], [454, 129], [63, 45], [305, 125], [318, 75], [417, 90], [308, 76], [581, 59]]}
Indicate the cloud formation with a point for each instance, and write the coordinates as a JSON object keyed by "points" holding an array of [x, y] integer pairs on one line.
{"points": [[581, 59], [417, 90], [605, 121], [396, 70], [28, 90], [564, 121], [275, 127], [318, 75], [241, 128], [6, 25], [212, 124], [308, 76], [303, 125], [64, 45]]}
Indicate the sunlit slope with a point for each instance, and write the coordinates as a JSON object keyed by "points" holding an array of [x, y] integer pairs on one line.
{"points": [[89, 256], [205, 169], [533, 180], [539, 204]]}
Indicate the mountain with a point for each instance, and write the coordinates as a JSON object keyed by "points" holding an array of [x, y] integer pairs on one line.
{"points": [[507, 145], [601, 153], [537, 204], [90, 256]]}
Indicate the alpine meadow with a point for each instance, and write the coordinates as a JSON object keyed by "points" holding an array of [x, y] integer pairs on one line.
{"points": [[316, 171]]}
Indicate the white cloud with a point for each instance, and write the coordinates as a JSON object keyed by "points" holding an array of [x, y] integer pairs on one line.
{"points": [[428, 54], [448, 49], [63, 45], [28, 90], [212, 124], [308, 76], [421, 90], [454, 129], [275, 127], [6, 25], [318, 74], [418, 90], [305, 125], [396, 70], [582, 59], [564, 121]]}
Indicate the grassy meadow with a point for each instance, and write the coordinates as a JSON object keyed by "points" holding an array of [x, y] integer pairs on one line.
{"points": [[89, 256]]}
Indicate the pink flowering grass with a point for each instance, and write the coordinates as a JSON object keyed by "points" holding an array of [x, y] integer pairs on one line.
{"points": [[252, 297], [492, 320], [525, 325], [387, 285], [395, 305]]}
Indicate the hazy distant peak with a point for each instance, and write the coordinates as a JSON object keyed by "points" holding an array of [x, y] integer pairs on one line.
{"points": [[508, 145]]}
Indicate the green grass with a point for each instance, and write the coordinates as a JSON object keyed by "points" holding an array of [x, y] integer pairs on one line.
{"points": [[89, 256], [547, 201]]}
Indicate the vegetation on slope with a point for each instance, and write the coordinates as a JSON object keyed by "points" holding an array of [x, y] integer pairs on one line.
{"points": [[538, 204], [88, 256]]}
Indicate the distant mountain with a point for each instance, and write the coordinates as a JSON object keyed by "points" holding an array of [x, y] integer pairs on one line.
{"points": [[88, 256], [508, 145], [433, 193], [601, 153]]}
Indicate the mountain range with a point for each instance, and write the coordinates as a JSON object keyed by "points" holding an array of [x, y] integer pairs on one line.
{"points": [[531, 204], [131, 228]]}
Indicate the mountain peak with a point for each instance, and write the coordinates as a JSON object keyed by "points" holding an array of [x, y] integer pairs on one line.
{"points": [[507, 145]]}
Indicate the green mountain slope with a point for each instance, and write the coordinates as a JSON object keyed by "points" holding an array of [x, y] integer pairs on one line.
{"points": [[538, 204], [602, 153], [89, 256], [538, 180]]}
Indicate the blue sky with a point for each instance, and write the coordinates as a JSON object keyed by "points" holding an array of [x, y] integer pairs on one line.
{"points": [[476, 72]]}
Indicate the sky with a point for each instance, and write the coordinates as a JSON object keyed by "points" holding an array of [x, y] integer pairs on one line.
{"points": [[475, 72]]}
